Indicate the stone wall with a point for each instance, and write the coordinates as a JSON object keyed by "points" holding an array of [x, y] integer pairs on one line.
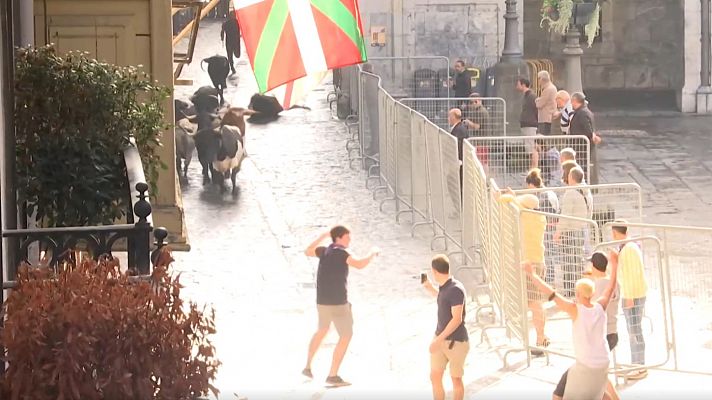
{"points": [[469, 29], [641, 47]]}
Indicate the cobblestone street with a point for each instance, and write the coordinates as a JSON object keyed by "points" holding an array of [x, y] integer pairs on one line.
{"points": [[246, 257]]}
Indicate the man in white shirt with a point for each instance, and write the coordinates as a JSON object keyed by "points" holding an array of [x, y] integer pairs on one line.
{"points": [[565, 110]]}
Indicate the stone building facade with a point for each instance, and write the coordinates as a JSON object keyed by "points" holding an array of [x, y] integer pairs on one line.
{"points": [[648, 50]]}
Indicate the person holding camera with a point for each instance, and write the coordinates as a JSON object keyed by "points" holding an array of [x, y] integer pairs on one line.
{"points": [[331, 296], [451, 342]]}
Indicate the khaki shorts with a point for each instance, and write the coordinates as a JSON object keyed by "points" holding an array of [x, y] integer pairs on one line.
{"points": [[533, 292], [529, 143], [340, 315], [455, 357]]}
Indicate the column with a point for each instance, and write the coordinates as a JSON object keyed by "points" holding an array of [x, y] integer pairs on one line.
{"points": [[512, 51], [572, 53]]}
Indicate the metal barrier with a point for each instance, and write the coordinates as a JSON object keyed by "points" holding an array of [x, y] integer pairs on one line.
{"points": [[418, 167], [451, 169], [686, 252], [564, 264], [507, 159], [487, 114], [420, 184], [539, 65], [649, 322], [610, 201], [369, 122], [424, 76]]}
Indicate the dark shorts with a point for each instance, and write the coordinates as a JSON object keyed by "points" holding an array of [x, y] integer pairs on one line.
{"points": [[561, 386], [544, 128], [612, 339]]}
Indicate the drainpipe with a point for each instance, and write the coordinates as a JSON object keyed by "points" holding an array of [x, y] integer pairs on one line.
{"points": [[26, 26]]}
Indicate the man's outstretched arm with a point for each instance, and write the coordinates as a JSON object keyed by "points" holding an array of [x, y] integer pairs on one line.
{"points": [[311, 250]]}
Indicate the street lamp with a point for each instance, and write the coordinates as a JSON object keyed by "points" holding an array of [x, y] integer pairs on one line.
{"points": [[512, 52]]}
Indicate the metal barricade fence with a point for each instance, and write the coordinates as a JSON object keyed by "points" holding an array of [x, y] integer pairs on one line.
{"points": [[507, 159], [452, 194], [420, 185], [387, 160], [488, 115], [610, 201], [644, 334], [435, 177], [426, 76], [369, 118], [565, 249], [686, 253], [403, 157]]}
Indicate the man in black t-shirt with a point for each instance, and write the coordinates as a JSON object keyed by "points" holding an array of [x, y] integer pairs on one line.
{"points": [[331, 296], [451, 342]]}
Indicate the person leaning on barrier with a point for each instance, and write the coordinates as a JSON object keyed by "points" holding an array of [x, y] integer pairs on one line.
{"points": [[533, 229], [571, 234], [599, 265], [567, 154], [566, 168], [451, 342], [634, 289], [548, 203], [587, 379], [549, 162], [528, 118]]}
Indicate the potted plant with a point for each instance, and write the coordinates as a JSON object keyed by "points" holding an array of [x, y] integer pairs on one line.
{"points": [[74, 116], [558, 14], [92, 332]]}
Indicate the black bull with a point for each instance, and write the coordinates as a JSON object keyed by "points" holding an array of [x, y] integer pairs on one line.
{"points": [[218, 70]]}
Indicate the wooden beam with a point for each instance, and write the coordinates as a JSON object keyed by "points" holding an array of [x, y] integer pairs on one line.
{"points": [[206, 9]]}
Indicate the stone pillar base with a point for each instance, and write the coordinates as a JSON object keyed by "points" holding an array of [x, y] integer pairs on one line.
{"points": [[505, 78], [704, 101]]}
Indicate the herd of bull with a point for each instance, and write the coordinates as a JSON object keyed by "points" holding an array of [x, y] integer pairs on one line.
{"points": [[217, 131]]}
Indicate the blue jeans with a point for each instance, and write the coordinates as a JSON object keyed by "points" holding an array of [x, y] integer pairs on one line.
{"points": [[634, 321]]}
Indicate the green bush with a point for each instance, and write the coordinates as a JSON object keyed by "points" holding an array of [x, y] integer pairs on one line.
{"points": [[73, 117]]}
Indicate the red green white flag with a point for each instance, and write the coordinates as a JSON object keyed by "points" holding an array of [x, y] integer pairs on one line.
{"points": [[291, 39]]}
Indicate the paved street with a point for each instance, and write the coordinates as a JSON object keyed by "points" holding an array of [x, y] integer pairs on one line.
{"points": [[246, 256]]}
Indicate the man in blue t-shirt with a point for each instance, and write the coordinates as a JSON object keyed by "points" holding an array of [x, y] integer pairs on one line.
{"points": [[450, 345], [331, 296]]}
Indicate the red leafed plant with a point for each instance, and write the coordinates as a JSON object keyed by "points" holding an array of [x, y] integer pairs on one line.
{"points": [[92, 332]]}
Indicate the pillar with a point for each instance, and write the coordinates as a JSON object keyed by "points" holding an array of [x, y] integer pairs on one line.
{"points": [[572, 53], [704, 92], [510, 67]]}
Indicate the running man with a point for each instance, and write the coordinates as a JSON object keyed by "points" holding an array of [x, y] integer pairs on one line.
{"points": [[331, 296]]}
